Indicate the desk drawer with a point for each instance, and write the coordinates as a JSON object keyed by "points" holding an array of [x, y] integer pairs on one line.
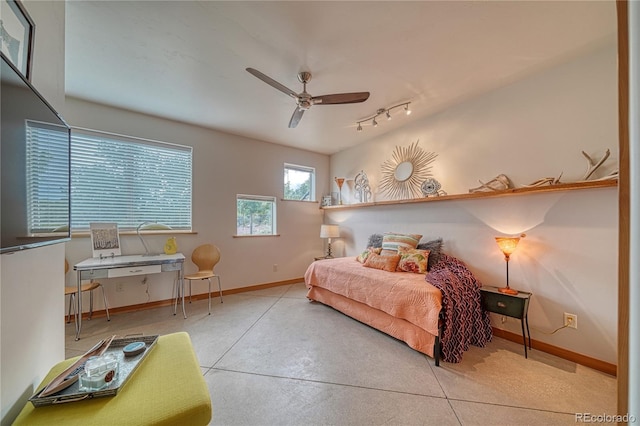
{"points": [[168, 267], [503, 304], [134, 270]]}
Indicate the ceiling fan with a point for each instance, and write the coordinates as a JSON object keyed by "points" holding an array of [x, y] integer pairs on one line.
{"points": [[304, 100]]}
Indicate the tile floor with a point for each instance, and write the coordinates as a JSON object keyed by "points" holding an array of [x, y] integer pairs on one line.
{"points": [[271, 357]]}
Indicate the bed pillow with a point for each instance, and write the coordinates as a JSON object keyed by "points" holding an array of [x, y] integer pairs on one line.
{"points": [[375, 240], [435, 250], [413, 260], [391, 242], [365, 254], [385, 263]]}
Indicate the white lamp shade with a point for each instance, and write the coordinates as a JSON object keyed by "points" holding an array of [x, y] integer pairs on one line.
{"points": [[329, 231]]}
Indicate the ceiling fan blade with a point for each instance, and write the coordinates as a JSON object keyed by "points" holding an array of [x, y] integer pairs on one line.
{"points": [[271, 82], [340, 98], [295, 118]]}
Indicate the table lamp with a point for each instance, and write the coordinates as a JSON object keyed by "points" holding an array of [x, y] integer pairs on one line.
{"points": [[508, 246], [329, 231]]}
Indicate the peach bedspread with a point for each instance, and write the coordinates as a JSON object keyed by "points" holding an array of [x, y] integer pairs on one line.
{"points": [[401, 304]]}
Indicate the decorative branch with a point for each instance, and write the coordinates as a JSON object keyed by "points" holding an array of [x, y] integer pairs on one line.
{"points": [[592, 166]]}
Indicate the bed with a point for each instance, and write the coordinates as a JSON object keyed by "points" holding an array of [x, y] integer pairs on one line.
{"points": [[439, 314]]}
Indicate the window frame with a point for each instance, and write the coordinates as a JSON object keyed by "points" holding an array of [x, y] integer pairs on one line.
{"points": [[312, 183], [274, 215]]}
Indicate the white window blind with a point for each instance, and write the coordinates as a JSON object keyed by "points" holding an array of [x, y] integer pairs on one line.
{"points": [[47, 168], [129, 181]]}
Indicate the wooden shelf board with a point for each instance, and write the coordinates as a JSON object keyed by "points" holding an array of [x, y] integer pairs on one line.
{"points": [[506, 192]]}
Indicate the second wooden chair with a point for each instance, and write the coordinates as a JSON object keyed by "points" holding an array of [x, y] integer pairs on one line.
{"points": [[205, 257]]}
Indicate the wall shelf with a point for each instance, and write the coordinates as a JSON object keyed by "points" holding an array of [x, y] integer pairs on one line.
{"points": [[506, 192]]}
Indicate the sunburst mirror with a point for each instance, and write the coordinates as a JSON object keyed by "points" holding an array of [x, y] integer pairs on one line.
{"points": [[403, 174]]}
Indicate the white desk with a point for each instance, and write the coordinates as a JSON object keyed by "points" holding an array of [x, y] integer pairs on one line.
{"points": [[124, 266]]}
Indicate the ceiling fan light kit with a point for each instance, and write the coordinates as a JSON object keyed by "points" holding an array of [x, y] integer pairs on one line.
{"points": [[304, 100], [381, 111]]}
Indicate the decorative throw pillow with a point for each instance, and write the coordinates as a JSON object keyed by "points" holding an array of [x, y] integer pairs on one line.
{"points": [[413, 260], [362, 257], [386, 263], [375, 240], [391, 242], [435, 250]]}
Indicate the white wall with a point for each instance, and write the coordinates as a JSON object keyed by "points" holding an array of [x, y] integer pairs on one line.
{"points": [[530, 129], [224, 165], [31, 283]]}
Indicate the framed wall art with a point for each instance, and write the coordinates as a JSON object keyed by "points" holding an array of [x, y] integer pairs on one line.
{"points": [[16, 35], [105, 239]]}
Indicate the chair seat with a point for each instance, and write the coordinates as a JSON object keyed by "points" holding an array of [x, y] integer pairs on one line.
{"points": [[84, 287], [200, 275]]}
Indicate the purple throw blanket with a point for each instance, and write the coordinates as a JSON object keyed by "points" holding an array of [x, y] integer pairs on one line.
{"points": [[465, 322]]}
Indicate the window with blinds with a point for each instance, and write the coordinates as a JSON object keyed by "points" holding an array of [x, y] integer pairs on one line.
{"points": [[129, 181], [47, 168]]}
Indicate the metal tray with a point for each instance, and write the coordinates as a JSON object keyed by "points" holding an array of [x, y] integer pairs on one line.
{"points": [[126, 367]]}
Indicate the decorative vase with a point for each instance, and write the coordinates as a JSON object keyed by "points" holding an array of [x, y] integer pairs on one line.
{"points": [[171, 246], [339, 182]]}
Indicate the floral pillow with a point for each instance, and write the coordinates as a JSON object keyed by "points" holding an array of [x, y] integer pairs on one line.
{"points": [[362, 257], [385, 263], [413, 260], [392, 241]]}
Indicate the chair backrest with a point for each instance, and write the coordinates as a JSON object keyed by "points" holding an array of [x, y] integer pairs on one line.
{"points": [[206, 257]]}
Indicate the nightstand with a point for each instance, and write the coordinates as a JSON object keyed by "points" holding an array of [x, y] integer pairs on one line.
{"points": [[511, 305]]}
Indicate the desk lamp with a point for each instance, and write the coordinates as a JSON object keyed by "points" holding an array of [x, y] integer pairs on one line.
{"points": [[329, 231], [508, 246]]}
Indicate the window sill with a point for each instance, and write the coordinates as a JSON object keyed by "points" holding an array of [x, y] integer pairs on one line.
{"points": [[87, 234], [299, 201], [256, 236]]}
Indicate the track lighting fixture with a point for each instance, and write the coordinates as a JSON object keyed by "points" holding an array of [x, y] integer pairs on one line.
{"points": [[381, 111]]}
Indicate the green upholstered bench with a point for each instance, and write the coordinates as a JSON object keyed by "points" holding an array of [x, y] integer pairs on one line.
{"points": [[167, 388]]}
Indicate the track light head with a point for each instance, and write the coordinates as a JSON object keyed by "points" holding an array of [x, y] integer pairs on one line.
{"points": [[388, 115], [359, 129], [374, 122], [407, 110]]}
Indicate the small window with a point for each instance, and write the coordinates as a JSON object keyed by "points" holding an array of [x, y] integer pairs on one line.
{"points": [[256, 215], [299, 183]]}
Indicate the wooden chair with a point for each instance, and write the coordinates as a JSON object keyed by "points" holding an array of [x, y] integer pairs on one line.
{"points": [[205, 257], [72, 291]]}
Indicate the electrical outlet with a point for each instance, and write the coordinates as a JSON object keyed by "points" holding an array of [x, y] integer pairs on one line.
{"points": [[571, 320], [119, 286], [275, 267]]}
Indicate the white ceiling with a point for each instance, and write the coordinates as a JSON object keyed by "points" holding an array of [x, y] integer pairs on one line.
{"points": [[186, 60]]}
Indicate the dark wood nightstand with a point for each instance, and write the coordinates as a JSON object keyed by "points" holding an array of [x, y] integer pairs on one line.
{"points": [[511, 305]]}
